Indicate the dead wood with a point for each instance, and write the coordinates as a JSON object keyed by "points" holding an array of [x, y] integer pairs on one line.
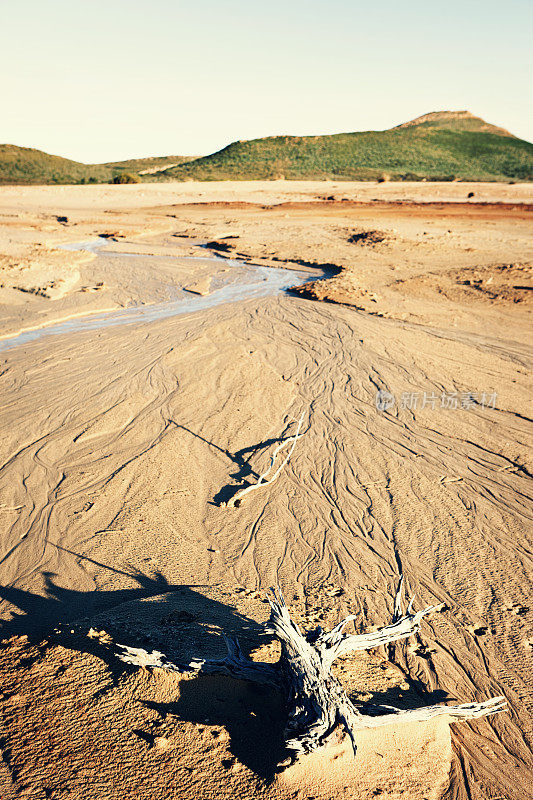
{"points": [[265, 479], [316, 700]]}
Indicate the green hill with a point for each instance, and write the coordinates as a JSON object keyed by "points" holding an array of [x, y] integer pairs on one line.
{"points": [[23, 165], [20, 165], [442, 145]]}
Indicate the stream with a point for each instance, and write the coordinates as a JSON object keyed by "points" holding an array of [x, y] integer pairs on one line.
{"points": [[243, 282]]}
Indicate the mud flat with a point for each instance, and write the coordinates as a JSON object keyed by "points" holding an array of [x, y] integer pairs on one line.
{"points": [[121, 442]]}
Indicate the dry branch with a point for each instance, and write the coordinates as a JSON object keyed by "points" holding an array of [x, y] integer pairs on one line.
{"points": [[316, 700], [264, 479]]}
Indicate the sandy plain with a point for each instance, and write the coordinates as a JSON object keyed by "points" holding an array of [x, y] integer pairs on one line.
{"points": [[120, 442]]}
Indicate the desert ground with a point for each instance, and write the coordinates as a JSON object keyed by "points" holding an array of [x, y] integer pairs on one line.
{"points": [[148, 374]]}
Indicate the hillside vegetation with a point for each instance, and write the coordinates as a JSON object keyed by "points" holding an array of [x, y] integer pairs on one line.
{"points": [[146, 166], [442, 145], [408, 153], [24, 165]]}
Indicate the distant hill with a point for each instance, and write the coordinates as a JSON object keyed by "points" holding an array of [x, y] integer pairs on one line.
{"points": [[442, 145], [147, 166], [23, 165]]}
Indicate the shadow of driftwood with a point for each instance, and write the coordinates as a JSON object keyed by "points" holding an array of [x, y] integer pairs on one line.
{"points": [[40, 612], [252, 715], [415, 696], [184, 624], [187, 624], [239, 457], [231, 489]]}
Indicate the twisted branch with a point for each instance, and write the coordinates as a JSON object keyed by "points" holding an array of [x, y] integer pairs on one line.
{"points": [[263, 479], [316, 700]]}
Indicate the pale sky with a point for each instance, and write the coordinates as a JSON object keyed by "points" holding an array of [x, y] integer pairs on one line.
{"points": [[104, 80]]}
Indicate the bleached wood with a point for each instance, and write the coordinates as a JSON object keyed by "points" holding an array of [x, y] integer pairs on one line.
{"points": [[263, 479], [316, 700], [234, 665], [466, 711]]}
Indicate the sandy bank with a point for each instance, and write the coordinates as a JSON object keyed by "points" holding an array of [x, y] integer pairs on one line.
{"points": [[101, 197], [120, 445]]}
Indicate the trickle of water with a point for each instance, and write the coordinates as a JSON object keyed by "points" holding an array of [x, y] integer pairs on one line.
{"points": [[243, 282]]}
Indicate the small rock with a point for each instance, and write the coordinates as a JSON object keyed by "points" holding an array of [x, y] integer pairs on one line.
{"points": [[478, 630], [286, 762], [161, 743], [92, 633], [179, 615]]}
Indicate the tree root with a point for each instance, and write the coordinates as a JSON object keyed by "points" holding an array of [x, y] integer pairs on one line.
{"points": [[316, 701]]}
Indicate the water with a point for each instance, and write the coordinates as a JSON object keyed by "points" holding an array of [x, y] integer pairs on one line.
{"points": [[242, 282]]}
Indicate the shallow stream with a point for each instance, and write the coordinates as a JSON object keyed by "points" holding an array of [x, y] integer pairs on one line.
{"points": [[241, 282]]}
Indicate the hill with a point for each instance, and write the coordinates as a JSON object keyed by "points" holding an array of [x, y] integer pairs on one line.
{"points": [[442, 145], [19, 165], [23, 165], [147, 166]]}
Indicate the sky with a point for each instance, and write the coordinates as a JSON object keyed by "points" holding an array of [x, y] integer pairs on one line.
{"points": [[106, 80]]}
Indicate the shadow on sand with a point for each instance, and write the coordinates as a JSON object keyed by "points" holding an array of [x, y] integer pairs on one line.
{"points": [[39, 613], [241, 460], [184, 624]]}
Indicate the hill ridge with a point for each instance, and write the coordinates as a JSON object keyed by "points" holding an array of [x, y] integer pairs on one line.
{"points": [[457, 120], [28, 165], [440, 145]]}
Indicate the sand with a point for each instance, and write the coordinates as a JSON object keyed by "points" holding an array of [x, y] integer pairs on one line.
{"points": [[121, 442]]}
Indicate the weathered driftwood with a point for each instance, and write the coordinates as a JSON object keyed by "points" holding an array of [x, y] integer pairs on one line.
{"points": [[264, 479], [316, 701]]}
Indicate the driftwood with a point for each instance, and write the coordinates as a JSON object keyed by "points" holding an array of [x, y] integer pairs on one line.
{"points": [[316, 701], [265, 479]]}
